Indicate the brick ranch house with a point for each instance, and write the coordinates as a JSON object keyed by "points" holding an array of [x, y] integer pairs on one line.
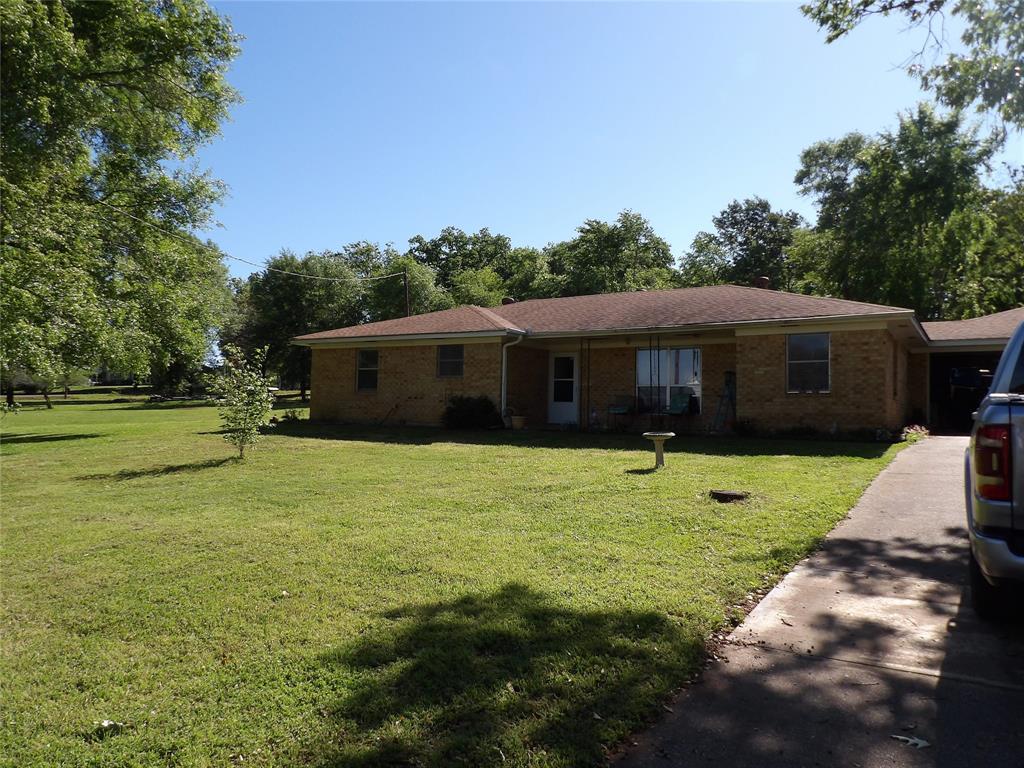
{"points": [[695, 359]]}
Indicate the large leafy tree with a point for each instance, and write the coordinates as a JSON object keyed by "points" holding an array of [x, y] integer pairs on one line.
{"points": [[386, 296], [526, 274], [749, 242], [453, 251], [706, 263], [276, 304], [902, 211], [482, 287], [989, 275], [97, 261], [988, 72], [807, 259], [624, 255], [483, 266]]}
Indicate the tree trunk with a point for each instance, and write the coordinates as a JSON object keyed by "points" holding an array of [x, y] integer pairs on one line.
{"points": [[241, 450], [67, 391], [46, 397], [10, 395]]}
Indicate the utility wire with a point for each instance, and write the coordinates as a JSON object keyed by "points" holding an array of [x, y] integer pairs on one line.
{"points": [[219, 252]]}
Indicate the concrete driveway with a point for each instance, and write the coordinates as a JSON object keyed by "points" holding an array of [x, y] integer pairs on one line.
{"points": [[872, 637]]}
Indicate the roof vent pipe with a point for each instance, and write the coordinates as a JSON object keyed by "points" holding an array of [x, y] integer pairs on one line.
{"points": [[762, 282]]}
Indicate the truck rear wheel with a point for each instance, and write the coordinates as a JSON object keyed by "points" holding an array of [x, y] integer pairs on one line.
{"points": [[988, 601]]}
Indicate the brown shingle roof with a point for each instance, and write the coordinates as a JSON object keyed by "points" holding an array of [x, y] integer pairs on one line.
{"points": [[997, 327], [637, 310], [644, 310], [459, 320]]}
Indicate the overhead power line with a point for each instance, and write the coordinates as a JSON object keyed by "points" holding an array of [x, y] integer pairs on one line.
{"points": [[204, 246]]}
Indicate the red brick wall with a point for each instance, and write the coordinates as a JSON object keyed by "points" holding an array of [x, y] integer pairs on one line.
{"points": [[861, 387], [409, 390]]}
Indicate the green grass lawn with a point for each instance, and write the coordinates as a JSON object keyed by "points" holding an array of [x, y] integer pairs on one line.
{"points": [[350, 597]]}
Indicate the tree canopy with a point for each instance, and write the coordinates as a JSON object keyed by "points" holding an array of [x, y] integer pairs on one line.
{"points": [[749, 242], [905, 213], [988, 72], [98, 264], [453, 251], [275, 307], [625, 255]]}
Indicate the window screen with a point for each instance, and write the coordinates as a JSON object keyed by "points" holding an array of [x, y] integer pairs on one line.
{"points": [[450, 360], [807, 362], [367, 361]]}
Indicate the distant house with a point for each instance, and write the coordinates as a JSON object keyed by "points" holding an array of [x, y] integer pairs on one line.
{"points": [[699, 359]]}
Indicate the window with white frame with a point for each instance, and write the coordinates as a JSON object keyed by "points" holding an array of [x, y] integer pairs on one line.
{"points": [[450, 359], [668, 380], [807, 362], [367, 364]]}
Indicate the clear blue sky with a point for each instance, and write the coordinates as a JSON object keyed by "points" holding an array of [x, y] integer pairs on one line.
{"points": [[379, 121]]}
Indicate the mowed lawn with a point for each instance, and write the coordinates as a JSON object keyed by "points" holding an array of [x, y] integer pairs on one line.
{"points": [[361, 597]]}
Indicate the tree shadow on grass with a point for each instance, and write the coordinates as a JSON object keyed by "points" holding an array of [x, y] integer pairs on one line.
{"points": [[59, 401], [118, 403], [17, 439], [167, 405], [167, 469], [507, 675], [612, 441]]}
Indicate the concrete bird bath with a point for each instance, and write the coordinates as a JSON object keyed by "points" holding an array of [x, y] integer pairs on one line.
{"points": [[659, 438]]}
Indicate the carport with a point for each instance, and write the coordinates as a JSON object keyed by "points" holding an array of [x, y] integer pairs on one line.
{"points": [[957, 383], [962, 356]]}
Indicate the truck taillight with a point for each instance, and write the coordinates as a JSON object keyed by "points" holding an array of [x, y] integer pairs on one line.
{"points": [[992, 462]]}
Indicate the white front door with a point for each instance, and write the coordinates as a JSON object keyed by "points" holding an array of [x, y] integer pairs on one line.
{"points": [[564, 388]]}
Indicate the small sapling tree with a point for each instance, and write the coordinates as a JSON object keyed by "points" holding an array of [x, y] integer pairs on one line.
{"points": [[245, 400]]}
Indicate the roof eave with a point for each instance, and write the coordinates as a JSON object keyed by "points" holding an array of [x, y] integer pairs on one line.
{"points": [[919, 328], [334, 341], [991, 341]]}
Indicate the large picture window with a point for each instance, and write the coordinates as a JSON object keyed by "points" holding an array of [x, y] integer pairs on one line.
{"points": [[367, 364], [450, 360], [668, 380], [807, 362]]}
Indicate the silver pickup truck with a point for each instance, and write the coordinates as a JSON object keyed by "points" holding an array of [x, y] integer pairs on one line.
{"points": [[994, 465]]}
